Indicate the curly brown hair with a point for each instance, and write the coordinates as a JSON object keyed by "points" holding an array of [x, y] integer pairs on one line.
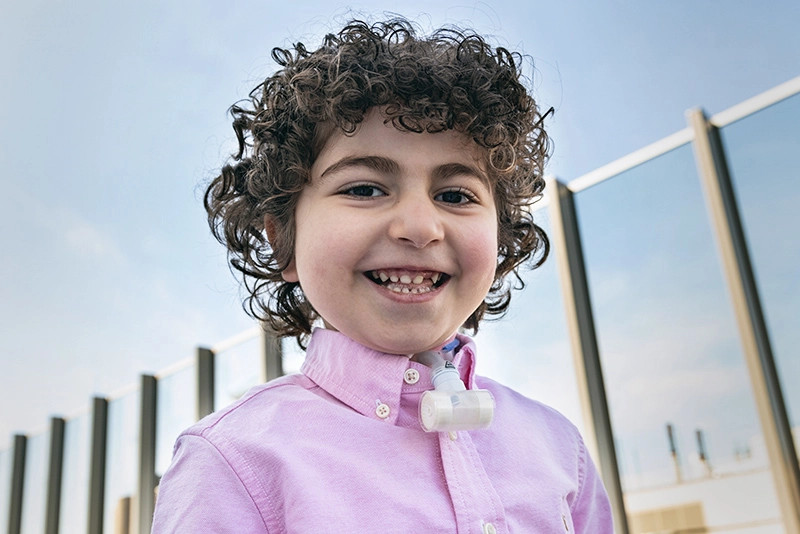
{"points": [[450, 80]]}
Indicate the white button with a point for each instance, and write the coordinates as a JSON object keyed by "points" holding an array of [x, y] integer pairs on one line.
{"points": [[382, 411], [488, 528], [411, 376]]}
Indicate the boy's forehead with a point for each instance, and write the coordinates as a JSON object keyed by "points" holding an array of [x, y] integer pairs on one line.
{"points": [[377, 132]]}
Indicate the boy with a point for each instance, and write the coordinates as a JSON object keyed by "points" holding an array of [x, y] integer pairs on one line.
{"points": [[381, 188]]}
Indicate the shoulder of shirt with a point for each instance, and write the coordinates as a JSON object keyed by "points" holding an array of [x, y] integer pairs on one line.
{"points": [[528, 410], [258, 405]]}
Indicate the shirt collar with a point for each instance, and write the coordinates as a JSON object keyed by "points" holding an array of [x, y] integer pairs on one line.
{"points": [[364, 378]]}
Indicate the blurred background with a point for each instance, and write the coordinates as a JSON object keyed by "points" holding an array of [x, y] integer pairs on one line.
{"points": [[114, 116]]}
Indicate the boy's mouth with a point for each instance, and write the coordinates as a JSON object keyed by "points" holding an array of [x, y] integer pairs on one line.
{"points": [[410, 282]]}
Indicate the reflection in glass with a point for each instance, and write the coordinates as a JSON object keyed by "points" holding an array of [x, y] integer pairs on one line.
{"points": [[75, 478], [6, 457], [762, 158], [669, 348], [237, 370], [528, 349], [121, 456], [176, 412], [34, 493]]}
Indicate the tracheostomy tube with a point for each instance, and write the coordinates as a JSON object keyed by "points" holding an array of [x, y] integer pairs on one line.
{"points": [[451, 406]]}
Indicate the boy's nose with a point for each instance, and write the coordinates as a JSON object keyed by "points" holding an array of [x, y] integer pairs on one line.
{"points": [[417, 223]]}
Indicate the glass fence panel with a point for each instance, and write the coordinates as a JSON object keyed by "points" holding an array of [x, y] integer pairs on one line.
{"points": [[293, 355], [237, 370], [6, 459], [528, 349], [75, 478], [762, 158], [176, 412], [122, 458], [688, 439], [34, 493]]}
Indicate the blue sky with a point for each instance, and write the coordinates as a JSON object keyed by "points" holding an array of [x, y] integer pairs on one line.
{"points": [[112, 114]]}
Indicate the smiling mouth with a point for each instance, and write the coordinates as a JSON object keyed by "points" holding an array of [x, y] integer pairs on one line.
{"points": [[409, 282]]}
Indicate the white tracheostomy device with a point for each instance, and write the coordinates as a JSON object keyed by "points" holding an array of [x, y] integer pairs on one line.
{"points": [[451, 406]]}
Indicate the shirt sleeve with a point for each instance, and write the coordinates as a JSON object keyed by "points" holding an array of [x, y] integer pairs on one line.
{"points": [[591, 511], [201, 492]]}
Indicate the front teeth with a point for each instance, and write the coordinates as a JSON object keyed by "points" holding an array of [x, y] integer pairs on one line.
{"points": [[406, 280], [406, 290]]}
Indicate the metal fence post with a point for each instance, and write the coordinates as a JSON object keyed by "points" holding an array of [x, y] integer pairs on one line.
{"points": [[580, 323], [205, 382], [54, 473], [273, 355], [726, 224], [97, 465], [145, 502], [17, 484]]}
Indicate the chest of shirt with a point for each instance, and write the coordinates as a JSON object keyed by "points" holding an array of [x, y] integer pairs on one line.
{"points": [[330, 469]]}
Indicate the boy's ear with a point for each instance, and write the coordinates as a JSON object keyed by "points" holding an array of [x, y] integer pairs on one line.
{"points": [[270, 227], [289, 274]]}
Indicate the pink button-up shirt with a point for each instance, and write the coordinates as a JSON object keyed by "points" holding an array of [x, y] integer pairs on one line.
{"points": [[339, 448]]}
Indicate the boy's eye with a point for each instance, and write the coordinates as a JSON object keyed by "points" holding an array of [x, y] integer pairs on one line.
{"points": [[363, 190], [457, 196]]}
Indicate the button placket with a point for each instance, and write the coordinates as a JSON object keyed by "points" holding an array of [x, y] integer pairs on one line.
{"points": [[475, 502]]}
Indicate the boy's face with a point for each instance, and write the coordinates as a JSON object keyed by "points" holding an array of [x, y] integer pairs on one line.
{"points": [[396, 236]]}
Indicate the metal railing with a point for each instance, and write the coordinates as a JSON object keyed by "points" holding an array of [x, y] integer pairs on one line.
{"points": [[133, 511]]}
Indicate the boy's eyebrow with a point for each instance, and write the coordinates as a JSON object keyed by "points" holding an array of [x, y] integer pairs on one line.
{"points": [[390, 166], [448, 170], [377, 163]]}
